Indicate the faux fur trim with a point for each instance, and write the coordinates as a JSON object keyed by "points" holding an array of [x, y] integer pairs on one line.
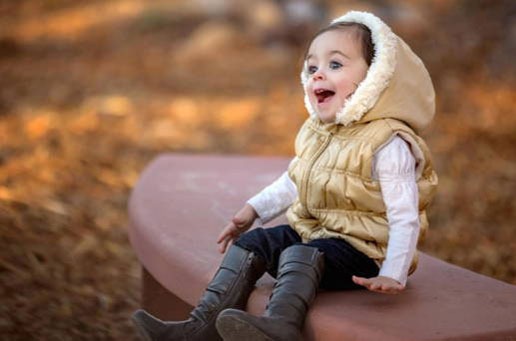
{"points": [[379, 73]]}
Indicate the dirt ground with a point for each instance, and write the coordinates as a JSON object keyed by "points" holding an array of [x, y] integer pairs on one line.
{"points": [[91, 91]]}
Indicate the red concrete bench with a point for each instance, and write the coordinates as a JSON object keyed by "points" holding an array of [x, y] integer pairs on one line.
{"points": [[179, 206]]}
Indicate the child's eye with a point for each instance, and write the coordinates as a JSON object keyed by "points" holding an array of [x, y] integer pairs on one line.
{"points": [[335, 65], [312, 69]]}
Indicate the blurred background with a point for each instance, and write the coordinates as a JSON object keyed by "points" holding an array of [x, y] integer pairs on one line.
{"points": [[91, 91]]}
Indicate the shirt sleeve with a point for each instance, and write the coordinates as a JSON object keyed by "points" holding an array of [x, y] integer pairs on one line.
{"points": [[274, 199], [394, 167]]}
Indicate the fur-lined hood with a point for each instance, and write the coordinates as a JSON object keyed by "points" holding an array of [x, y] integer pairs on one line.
{"points": [[397, 84]]}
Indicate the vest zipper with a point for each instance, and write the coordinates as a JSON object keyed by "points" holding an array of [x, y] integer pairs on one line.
{"points": [[311, 165]]}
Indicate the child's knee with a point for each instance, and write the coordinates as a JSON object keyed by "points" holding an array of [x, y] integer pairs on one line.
{"points": [[247, 239]]}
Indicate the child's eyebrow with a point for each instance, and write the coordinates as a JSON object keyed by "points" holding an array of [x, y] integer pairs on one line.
{"points": [[331, 52], [339, 52]]}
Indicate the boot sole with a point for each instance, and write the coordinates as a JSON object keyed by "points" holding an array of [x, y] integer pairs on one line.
{"points": [[233, 329]]}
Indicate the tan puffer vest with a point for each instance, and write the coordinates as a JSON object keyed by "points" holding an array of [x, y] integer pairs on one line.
{"points": [[337, 196]]}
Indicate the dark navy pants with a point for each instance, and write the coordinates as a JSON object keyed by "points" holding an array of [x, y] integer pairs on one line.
{"points": [[341, 259]]}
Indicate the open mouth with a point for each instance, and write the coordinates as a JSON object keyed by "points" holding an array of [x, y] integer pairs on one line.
{"points": [[323, 95]]}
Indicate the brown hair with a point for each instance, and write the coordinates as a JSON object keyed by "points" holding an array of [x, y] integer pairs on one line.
{"points": [[361, 32]]}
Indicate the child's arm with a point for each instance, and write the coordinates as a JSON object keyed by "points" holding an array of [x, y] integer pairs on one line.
{"points": [[395, 169], [266, 205]]}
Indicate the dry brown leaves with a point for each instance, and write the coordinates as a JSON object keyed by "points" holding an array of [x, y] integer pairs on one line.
{"points": [[84, 108]]}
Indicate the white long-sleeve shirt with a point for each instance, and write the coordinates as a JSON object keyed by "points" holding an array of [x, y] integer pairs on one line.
{"points": [[394, 167]]}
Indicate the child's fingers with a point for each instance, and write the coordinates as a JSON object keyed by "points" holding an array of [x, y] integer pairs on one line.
{"points": [[221, 244], [235, 227], [393, 291], [227, 243], [365, 282], [226, 238], [221, 237], [379, 285], [224, 245], [222, 248], [361, 280], [375, 286], [370, 284], [387, 289], [226, 232]]}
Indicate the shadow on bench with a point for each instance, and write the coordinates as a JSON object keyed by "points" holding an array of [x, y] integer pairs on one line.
{"points": [[180, 205]]}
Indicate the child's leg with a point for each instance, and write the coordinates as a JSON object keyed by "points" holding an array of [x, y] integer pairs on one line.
{"points": [[342, 261], [299, 273], [230, 287], [268, 243]]}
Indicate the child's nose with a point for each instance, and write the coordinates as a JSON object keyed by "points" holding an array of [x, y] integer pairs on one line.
{"points": [[318, 75]]}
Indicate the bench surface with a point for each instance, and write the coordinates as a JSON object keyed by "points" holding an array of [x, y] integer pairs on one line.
{"points": [[181, 203]]}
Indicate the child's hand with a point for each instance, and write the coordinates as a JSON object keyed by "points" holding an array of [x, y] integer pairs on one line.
{"points": [[382, 284], [240, 223]]}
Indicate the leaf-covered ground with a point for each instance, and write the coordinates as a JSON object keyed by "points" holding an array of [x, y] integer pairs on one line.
{"points": [[91, 91]]}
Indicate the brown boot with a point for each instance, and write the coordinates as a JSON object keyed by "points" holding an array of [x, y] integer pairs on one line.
{"points": [[299, 273], [230, 287]]}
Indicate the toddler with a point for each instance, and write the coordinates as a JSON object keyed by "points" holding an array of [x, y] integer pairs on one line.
{"points": [[355, 193]]}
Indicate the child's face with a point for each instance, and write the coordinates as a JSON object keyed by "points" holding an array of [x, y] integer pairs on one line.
{"points": [[335, 67]]}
